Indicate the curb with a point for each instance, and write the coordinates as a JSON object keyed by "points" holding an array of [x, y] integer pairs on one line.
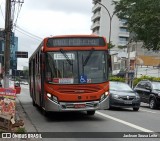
{"points": [[28, 125], [21, 114]]}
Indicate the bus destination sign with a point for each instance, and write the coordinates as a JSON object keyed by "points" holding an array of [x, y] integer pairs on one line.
{"points": [[70, 42]]}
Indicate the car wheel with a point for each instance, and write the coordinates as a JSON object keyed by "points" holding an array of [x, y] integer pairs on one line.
{"points": [[90, 113], [135, 108], [152, 103]]}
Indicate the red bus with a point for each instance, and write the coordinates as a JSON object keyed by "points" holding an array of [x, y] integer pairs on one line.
{"points": [[70, 73]]}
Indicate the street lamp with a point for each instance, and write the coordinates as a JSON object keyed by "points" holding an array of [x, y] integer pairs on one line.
{"points": [[110, 18]]}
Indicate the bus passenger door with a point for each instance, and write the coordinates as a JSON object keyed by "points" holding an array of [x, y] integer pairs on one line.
{"points": [[42, 76], [32, 80]]}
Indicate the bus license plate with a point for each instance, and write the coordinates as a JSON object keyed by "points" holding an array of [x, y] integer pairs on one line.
{"points": [[79, 105], [127, 102]]}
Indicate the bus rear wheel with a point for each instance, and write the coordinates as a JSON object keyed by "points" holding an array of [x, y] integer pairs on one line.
{"points": [[90, 113]]}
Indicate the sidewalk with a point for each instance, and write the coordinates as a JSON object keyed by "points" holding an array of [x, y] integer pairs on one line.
{"points": [[21, 114], [28, 125]]}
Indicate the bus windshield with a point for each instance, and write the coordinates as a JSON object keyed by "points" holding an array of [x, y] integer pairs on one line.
{"points": [[76, 67]]}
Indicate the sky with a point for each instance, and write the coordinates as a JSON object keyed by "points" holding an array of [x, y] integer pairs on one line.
{"points": [[44, 18]]}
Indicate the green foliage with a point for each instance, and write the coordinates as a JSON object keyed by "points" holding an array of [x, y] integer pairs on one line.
{"points": [[136, 80], [115, 78], [26, 73], [17, 78], [143, 19], [110, 45], [122, 47], [21, 130]]}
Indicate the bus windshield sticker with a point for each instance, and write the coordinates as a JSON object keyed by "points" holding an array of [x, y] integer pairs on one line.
{"points": [[63, 80], [60, 56], [56, 80], [66, 80], [89, 81], [83, 79]]}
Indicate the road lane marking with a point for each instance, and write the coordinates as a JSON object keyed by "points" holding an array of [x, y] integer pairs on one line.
{"points": [[125, 122], [148, 111]]}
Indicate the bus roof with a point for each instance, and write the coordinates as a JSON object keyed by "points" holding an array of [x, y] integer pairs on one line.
{"points": [[74, 35], [66, 36]]}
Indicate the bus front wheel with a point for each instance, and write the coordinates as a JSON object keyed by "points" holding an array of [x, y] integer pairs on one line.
{"points": [[45, 113], [90, 113], [33, 103]]}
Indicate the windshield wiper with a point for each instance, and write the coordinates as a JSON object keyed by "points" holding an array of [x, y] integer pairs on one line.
{"points": [[66, 56], [88, 57]]}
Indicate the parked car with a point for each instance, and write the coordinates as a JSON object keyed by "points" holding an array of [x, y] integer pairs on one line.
{"points": [[123, 96], [149, 92], [17, 87], [24, 82]]}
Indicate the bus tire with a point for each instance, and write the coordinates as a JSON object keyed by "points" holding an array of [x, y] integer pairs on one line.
{"points": [[90, 113], [45, 113], [33, 103]]}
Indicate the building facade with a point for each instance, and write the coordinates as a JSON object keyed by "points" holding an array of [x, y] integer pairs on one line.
{"points": [[137, 56], [13, 49], [102, 17]]}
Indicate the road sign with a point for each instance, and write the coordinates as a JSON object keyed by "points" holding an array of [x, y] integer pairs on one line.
{"points": [[21, 54]]}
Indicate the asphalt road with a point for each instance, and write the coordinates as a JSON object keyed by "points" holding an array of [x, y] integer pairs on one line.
{"points": [[115, 120]]}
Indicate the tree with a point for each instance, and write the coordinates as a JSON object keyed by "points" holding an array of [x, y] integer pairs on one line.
{"points": [[122, 47], [26, 73], [110, 45], [143, 19]]}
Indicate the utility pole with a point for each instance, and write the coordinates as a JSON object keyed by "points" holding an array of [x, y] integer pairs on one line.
{"points": [[128, 63], [8, 24]]}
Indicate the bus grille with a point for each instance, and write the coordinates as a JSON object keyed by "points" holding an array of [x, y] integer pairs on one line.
{"points": [[78, 89], [72, 105]]}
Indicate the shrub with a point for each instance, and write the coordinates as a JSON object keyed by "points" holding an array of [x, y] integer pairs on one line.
{"points": [[115, 78], [136, 80], [21, 130]]}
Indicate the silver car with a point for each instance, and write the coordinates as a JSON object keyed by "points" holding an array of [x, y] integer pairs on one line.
{"points": [[122, 95]]}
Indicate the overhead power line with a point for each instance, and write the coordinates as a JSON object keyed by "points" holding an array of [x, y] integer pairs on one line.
{"points": [[2, 13], [19, 29], [38, 39], [16, 8], [19, 9]]}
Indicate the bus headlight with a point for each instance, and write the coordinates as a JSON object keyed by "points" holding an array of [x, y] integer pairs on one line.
{"points": [[52, 97], [55, 98], [49, 95], [106, 93], [103, 96]]}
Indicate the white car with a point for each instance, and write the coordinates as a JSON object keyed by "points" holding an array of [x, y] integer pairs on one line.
{"points": [[25, 83]]}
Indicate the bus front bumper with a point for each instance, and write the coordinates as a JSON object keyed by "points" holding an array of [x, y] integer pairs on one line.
{"points": [[52, 106]]}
